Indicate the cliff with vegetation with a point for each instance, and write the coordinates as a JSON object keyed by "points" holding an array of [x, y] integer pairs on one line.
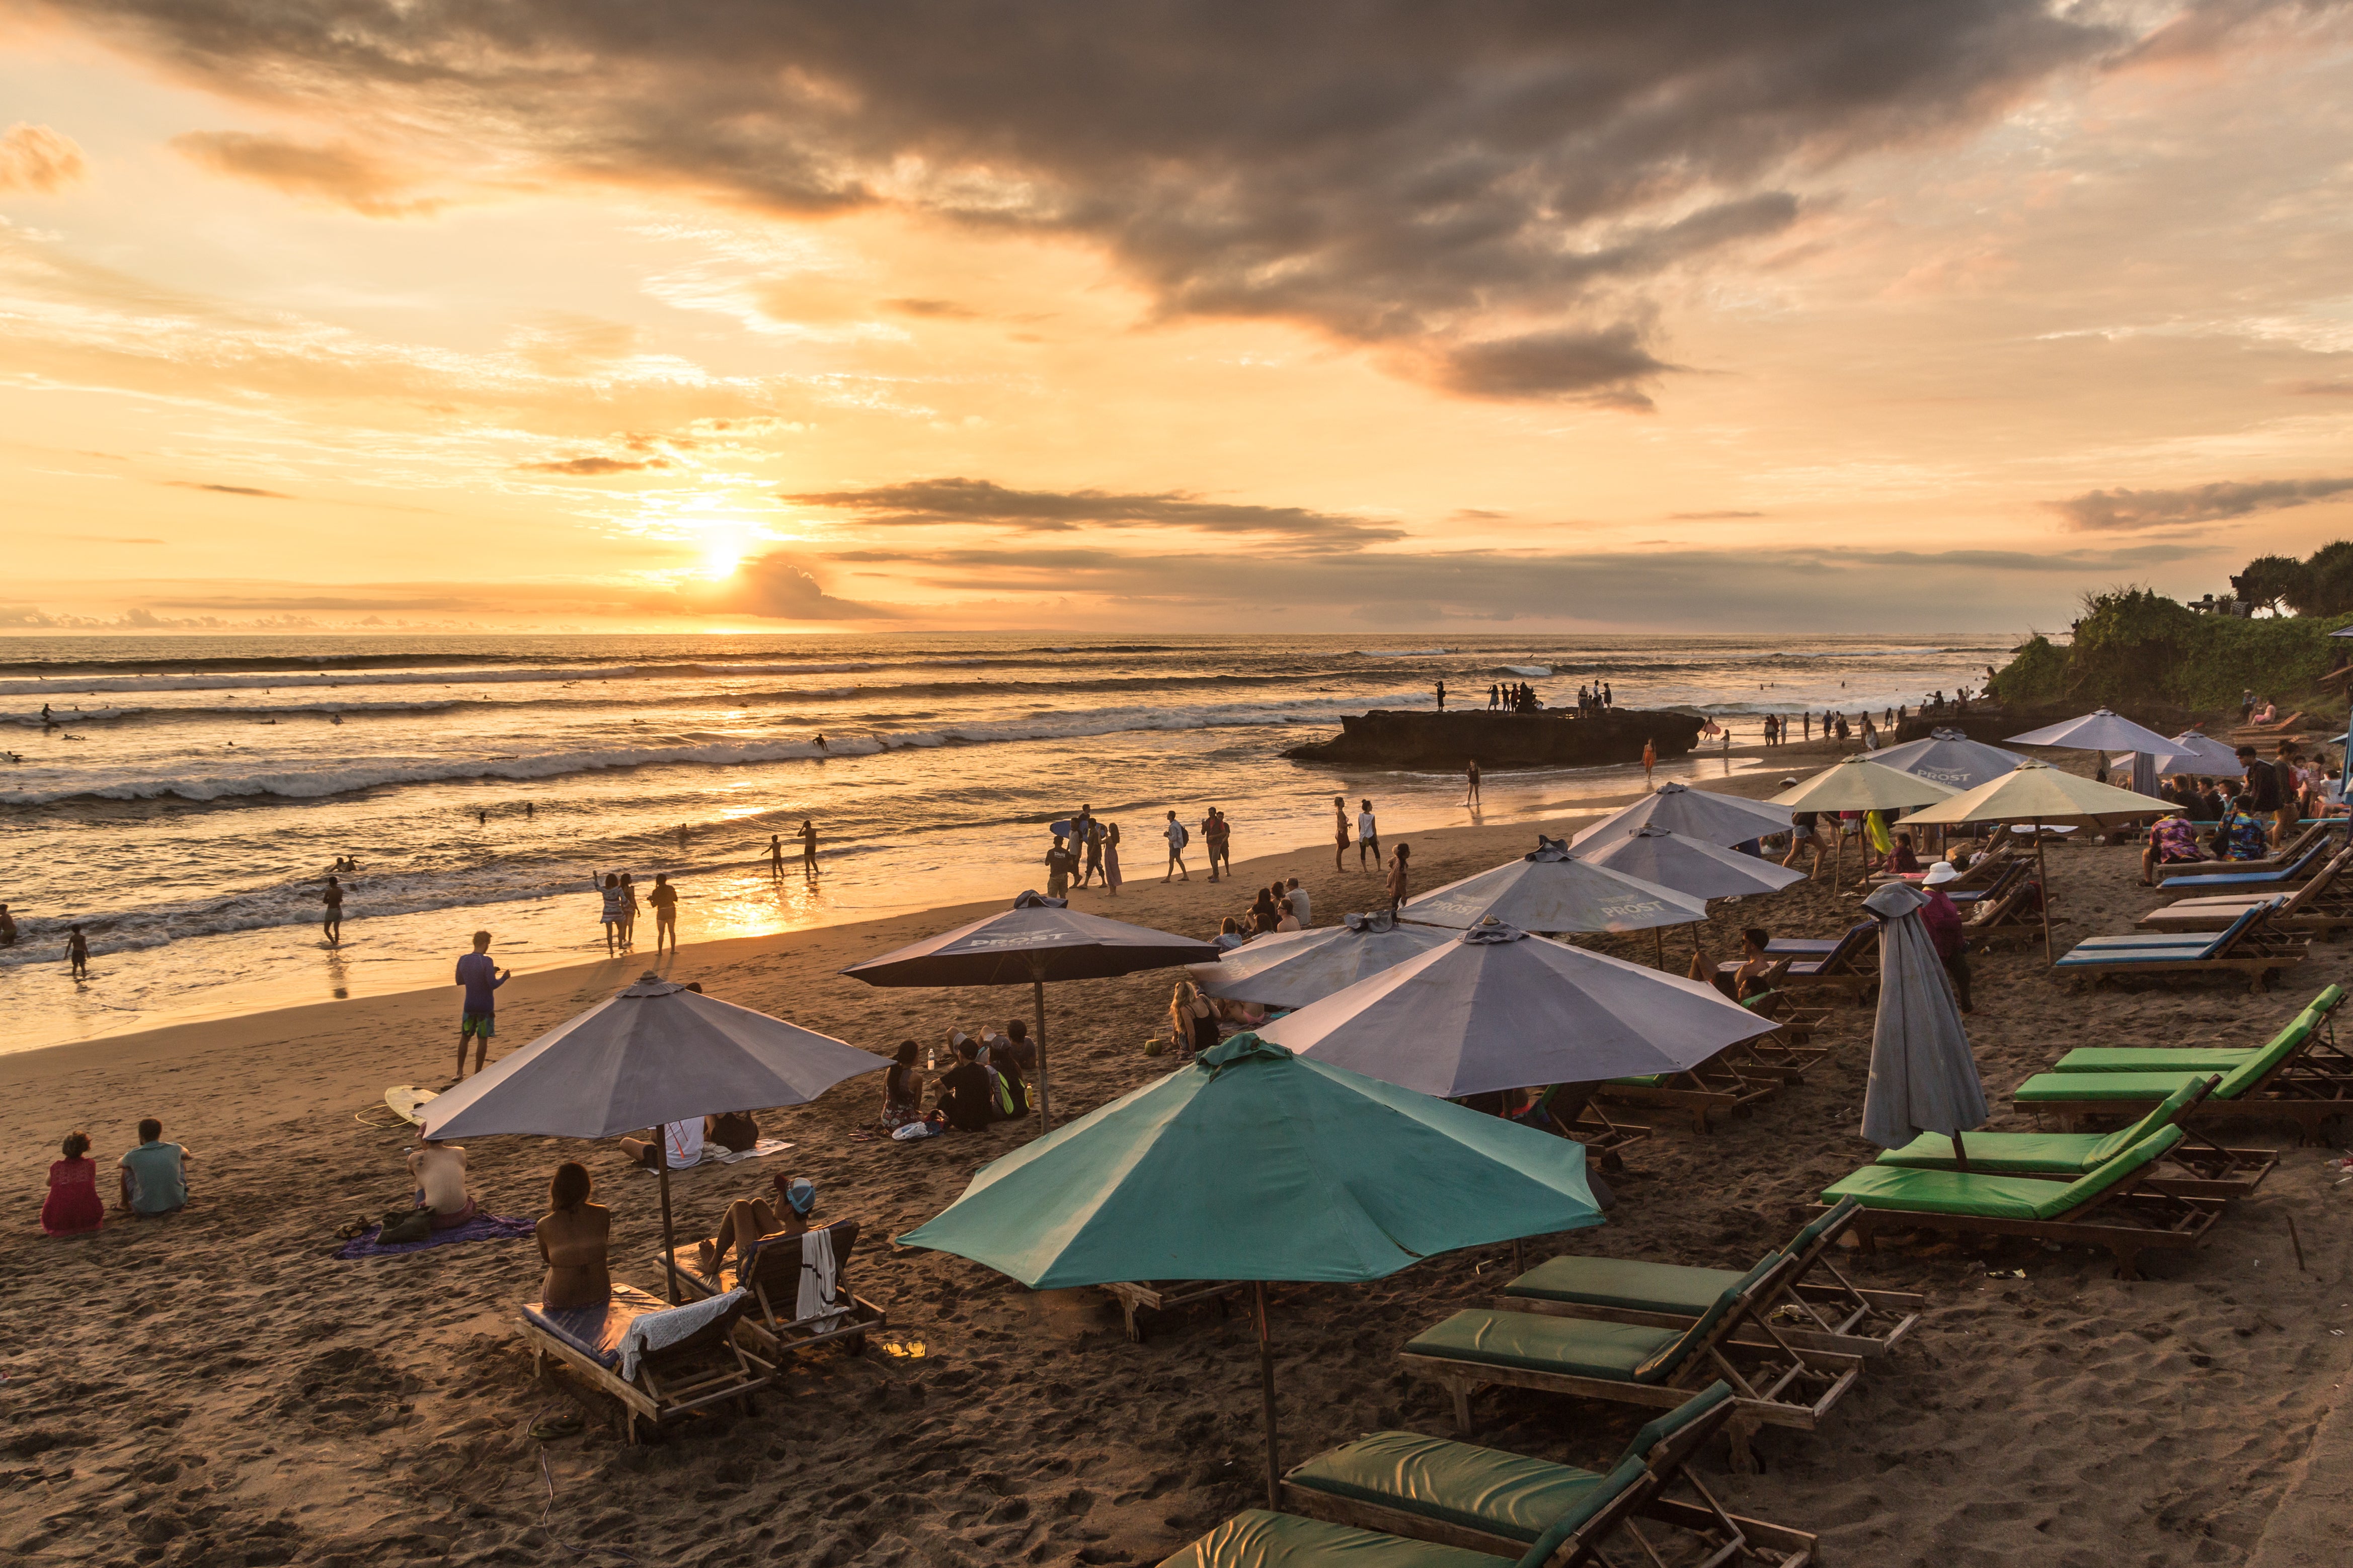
{"points": [[2133, 647]]}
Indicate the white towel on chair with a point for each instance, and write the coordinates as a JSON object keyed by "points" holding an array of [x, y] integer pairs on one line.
{"points": [[659, 1331], [821, 1303]]}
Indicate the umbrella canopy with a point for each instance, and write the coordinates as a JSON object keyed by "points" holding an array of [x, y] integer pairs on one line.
{"points": [[1694, 813], [1553, 891], [1693, 866], [2036, 792], [1923, 1076], [1861, 783], [2098, 731], [1495, 1008], [1293, 968], [1035, 941], [656, 1052], [1949, 758], [2191, 751]]}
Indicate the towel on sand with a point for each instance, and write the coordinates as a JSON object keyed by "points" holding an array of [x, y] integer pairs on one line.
{"points": [[481, 1228], [659, 1331]]}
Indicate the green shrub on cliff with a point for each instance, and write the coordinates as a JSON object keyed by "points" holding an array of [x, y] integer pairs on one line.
{"points": [[2135, 645], [2036, 674]]}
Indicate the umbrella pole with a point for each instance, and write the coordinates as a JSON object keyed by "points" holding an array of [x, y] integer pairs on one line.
{"points": [[1659, 941], [2042, 874], [1045, 1091], [1697, 951], [669, 1242], [1266, 1382]]}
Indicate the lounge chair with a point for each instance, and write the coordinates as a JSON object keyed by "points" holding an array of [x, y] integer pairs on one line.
{"points": [[2322, 904], [774, 1281], [2009, 915], [2197, 1167], [2244, 878], [1788, 1051], [1400, 1484], [1569, 1111], [2247, 946], [1717, 1086], [704, 1367], [2288, 854], [1841, 963], [2317, 1014], [1831, 1314], [2299, 1077], [2106, 1208], [1780, 1383], [1135, 1296]]}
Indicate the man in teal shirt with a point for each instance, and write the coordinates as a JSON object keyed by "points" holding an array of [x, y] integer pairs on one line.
{"points": [[155, 1174]]}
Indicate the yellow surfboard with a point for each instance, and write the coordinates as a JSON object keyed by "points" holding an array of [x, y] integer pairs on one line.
{"points": [[408, 1102]]}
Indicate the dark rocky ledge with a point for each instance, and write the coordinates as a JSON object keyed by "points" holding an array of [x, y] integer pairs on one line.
{"points": [[1441, 742]]}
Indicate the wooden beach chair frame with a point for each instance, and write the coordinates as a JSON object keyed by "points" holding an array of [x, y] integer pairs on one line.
{"points": [[2281, 876], [708, 1367], [1580, 1119], [2253, 949], [2322, 905], [776, 1266], [1716, 1085], [1761, 1400], [1135, 1296], [2210, 1170], [2310, 1086], [2287, 855], [1839, 970], [1829, 1315], [1639, 1495], [1788, 1053]]}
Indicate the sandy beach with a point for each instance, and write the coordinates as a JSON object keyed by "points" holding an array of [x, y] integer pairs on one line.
{"points": [[217, 1389]]}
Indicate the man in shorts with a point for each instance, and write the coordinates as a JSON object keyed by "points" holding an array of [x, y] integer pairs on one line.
{"points": [[664, 898], [481, 978], [334, 898], [1368, 837], [1177, 835]]}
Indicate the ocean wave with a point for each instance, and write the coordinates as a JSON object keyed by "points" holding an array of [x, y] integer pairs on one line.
{"points": [[1397, 652], [1526, 671]]}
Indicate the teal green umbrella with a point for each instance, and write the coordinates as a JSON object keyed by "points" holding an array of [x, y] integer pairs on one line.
{"points": [[1256, 1165]]}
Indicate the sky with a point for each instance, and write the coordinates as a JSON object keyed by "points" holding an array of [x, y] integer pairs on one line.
{"points": [[761, 314]]}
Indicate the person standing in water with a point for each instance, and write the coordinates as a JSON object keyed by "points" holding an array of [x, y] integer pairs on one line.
{"points": [[808, 848], [334, 898], [1470, 774], [76, 953], [664, 898], [1441, 696], [1650, 761], [628, 910], [478, 1020]]}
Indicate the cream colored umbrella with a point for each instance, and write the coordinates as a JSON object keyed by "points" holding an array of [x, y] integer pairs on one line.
{"points": [[1858, 783], [2037, 792]]}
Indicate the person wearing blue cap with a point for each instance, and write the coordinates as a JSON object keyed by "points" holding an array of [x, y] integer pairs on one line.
{"points": [[749, 1222]]}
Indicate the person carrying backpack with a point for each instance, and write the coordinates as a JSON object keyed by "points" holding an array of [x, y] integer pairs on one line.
{"points": [[1178, 838]]}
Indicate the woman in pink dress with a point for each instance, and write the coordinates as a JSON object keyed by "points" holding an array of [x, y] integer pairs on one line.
{"points": [[73, 1207]]}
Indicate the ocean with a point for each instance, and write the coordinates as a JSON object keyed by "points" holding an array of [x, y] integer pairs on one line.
{"points": [[191, 793]]}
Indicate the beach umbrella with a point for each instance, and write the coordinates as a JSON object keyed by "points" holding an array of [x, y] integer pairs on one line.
{"points": [[1924, 1077], [2195, 752], [2035, 792], [1949, 758], [1694, 813], [1495, 1008], [2101, 730], [1551, 889], [1035, 941], [1693, 866], [652, 1054], [1255, 1164], [1293, 968], [1860, 784]]}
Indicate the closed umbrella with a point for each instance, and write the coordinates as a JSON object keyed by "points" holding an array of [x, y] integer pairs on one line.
{"points": [[1859, 783], [1551, 889], [1035, 941], [1924, 1077], [1293, 968], [2101, 730], [1694, 813], [1495, 1008], [1949, 758], [652, 1054], [1253, 1163], [2035, 792]]}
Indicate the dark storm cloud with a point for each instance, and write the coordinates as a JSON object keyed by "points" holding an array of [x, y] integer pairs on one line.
{"points": [[2098, 511], [921, 503], [1385, 171]]}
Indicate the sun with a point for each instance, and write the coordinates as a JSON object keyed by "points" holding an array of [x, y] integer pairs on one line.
{"points": [[721, 557]]}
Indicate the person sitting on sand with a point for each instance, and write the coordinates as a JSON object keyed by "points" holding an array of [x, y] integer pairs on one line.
{"points": [[573, 1236], [684, 1141], [73, 1207], [1747, 980], [966, 1096], [155, 1174], [1192, 1021], [1013, 1057], [1230, 935], [737, 1131], [902, 1089], [1287, 913], [439, 1170], [1263, 914], [2171, 842], [749, 1222]]}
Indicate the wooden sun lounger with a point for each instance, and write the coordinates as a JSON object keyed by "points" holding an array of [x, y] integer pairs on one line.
{"points": [[2247, 876], [2112, 1208], [775, 1276], [1716, 1087], [1788, 1053], [1813, 1313], [2249, 946], [1775, 1382], [2302, 1077], [1403, 1485], [1570, 1111], [2323, 904], [2197, 1167], [1842, 966], [2287, 855], [1135, 1296], [706, 1367]]}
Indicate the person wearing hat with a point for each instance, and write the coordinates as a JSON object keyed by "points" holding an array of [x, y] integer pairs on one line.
{"points": [[1943, 919], [748, 1222]]}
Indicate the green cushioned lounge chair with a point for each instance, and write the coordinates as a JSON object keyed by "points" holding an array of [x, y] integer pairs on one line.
{"points": [[2301, 1076], [2198, 1059], [1775, 1382], [1818, 1308], [1482, 1500], [2249, 946], [2197, 1167], [2108, 1207]]}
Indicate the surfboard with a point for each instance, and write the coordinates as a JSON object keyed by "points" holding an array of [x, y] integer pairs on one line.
{"points": [[1062, 828], [407, 1101]]}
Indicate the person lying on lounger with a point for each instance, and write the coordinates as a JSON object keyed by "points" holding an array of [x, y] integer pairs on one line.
{"points": [[439, 1170], [574, 1235], [750, 1221], [1746, 981]]}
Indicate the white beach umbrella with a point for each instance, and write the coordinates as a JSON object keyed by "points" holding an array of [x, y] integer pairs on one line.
{"points": [[1691, 865], [1293, 968], [1949, 758], [2194, 753], [1495, 1008], [655, 1053], [2101, 730], [1552, 890], [1694, 813]]}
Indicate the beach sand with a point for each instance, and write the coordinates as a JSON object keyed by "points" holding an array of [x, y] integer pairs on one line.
{"points": [[217, 1389]]}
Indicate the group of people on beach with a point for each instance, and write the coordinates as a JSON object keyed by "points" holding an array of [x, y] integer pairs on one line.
{"points": [[1088, 849], [988, 1079], [2272, 799], [619, 913], [153, 1181]]}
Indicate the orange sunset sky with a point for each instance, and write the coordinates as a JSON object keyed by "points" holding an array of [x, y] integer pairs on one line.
{"points": [[1703, 317]]}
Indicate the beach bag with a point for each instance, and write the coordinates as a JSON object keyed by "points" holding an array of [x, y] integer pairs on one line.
{"points": [[1183, 838], [914, 1132], [404, 1226], [999, 1095]]}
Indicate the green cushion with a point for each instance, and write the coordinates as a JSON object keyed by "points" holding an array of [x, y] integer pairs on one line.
{"points": [[2175, 953], [1479, 1489], [1810, 1233], [2329, 996], [1541, 1344], [2122, 1087], [2285, 1044], [1539, 1553], [1662, 1365], [2153, 1058], [2161, 1114], [2141, 939], [2002, 1153], [1644, 1080], [1670, 1287], [1660, 1428], [1992, 1197], [1257, 1539]]}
